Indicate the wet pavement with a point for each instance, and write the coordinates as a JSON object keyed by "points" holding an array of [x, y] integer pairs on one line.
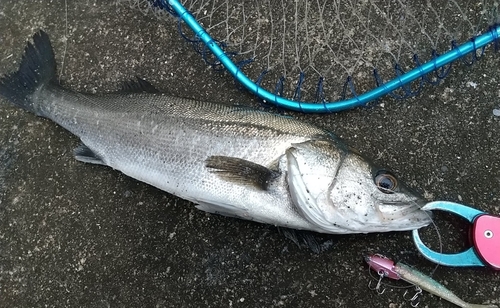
{"points": [[79, 235]]}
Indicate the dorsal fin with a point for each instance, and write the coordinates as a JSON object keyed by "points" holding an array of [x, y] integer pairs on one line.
{"points": [[138, 85]]}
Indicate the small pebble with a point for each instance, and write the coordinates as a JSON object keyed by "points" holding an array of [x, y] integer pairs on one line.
{"points": [[496, 112]]}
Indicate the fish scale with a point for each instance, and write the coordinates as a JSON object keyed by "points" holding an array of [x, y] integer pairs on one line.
{"points": [[230, 160], [186, 132]]}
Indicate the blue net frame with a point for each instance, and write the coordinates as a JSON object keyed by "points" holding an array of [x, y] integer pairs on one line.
{"points": [[407, 84]]}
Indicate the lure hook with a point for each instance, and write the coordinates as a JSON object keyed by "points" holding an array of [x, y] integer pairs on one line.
{"points": [[378, 286], [414, 300]]}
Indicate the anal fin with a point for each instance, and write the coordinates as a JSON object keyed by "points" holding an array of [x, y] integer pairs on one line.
{"points": [[86, 155]]}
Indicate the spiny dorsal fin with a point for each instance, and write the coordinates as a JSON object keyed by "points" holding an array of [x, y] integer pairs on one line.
{"points": [[138, 85], [241, 171]]}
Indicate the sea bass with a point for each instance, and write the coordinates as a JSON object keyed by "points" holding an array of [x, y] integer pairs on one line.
{"points": [[229, 160]]}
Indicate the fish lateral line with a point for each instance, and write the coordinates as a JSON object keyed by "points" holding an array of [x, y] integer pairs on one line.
{"points": [[164, 141]]}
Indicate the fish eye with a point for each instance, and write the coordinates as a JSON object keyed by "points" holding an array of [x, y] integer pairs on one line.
{"points": [[386, 182]]}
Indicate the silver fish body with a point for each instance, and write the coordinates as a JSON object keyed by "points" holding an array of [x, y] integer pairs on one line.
{"points": [[228, 160]]}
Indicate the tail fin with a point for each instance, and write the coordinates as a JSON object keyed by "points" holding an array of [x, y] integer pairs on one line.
{"points": [[38, 67]]}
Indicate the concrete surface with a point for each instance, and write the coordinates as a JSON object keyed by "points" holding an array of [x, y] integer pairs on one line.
{"points": [[78, 235]]}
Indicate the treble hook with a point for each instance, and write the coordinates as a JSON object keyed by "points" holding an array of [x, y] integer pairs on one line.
{"points": [[378, 287], [414, 300]]}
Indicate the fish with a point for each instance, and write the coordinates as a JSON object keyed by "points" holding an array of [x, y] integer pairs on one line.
{"points": [[386, 268], [226, 159]]}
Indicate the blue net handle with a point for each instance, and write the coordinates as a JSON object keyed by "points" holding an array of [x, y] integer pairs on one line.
{"points": [[358, 100]]}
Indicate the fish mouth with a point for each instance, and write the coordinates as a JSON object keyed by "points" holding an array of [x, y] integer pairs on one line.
{"points": [[408, 214]]}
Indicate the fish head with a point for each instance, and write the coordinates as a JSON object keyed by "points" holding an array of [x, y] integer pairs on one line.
{"points": [[339, 191]]}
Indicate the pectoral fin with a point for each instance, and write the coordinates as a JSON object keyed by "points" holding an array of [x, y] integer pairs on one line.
{"points": [[241, 171]]}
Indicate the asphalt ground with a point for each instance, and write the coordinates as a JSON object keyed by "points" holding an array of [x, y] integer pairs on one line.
{"points": [[80, 235]]}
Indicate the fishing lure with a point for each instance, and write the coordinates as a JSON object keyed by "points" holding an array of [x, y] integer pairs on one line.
{"points": [[385, 267]]}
